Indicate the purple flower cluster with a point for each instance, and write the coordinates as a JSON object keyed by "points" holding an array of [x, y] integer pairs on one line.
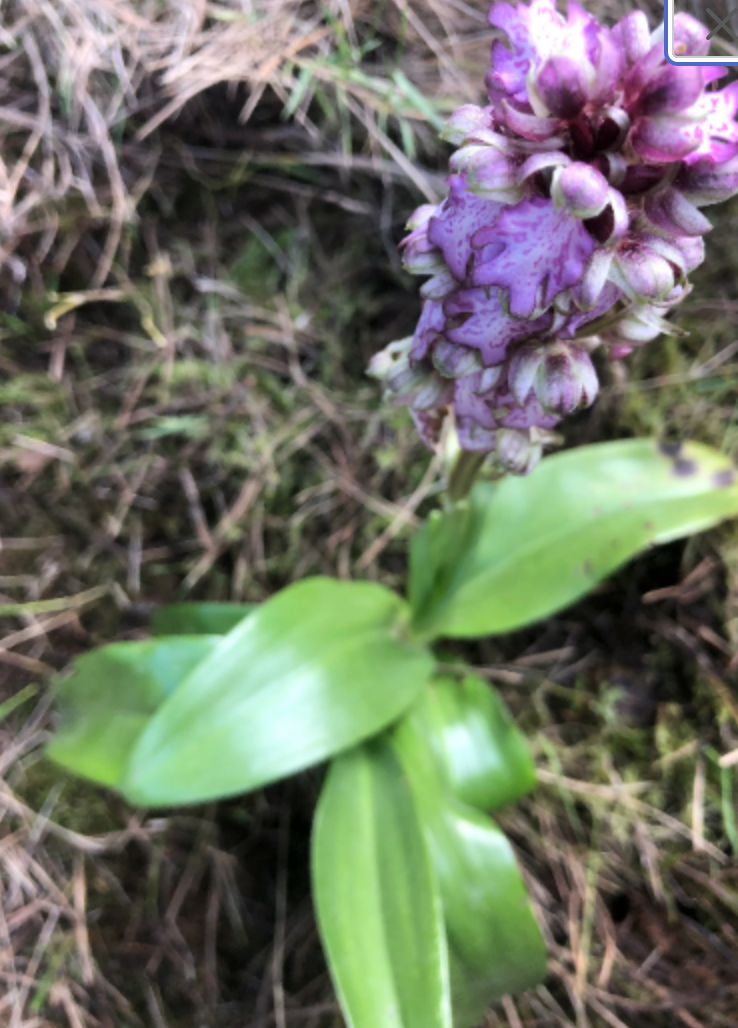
{"points": [[572, 221]]}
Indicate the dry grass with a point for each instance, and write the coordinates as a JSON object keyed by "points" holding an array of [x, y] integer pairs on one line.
{"points": [[88, 82], [200, 208]]}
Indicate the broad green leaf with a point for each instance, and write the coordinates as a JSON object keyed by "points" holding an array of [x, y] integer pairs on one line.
{"points": [[485, 758], [376, 896], [315, 670], [538, 543], [435, 551], [110, 696], [495, 946], [197, 618]]}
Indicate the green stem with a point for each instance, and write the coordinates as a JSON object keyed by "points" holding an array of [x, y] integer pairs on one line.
{"points": [[463, 474]]}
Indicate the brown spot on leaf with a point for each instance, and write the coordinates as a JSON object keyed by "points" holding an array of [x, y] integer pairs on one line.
{"points": [[670, 449], [588, 569], [722, 479], [684, 468]]}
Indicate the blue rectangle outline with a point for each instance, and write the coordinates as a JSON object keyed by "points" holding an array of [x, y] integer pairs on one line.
{"points": [[711, 62]]}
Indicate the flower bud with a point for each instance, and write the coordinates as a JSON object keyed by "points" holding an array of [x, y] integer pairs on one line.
{"points": [[608, 66], [670, 211], [560, 375], [489, 174], [518, 450], [406, 380], [453, 361], [390, 358], [561, 84], [692, 250], [531, 414], [640, 325], [581, 189], [530, 126], [705, 183], [594, 279], [464, 122], [421, 216], [670, 90], [642, 272], [431, 324], [420, 256], [666, 138], [489, 380], [633, 35], [440, 286], [542, 162]]}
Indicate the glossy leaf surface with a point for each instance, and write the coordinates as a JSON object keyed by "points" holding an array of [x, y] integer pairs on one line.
{"points": [[495, 941], [376, 896], [199, 618], [110, 697], [495, 946], [537, 543], [315, 670], [485, 758]]}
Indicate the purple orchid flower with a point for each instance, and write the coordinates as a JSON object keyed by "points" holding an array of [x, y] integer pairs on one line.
{"points": [[572, 221]]}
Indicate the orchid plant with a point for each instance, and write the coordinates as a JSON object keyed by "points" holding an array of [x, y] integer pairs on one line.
{"points": [[571, 223]]}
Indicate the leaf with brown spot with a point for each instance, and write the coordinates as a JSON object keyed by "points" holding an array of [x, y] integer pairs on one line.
{"points": [[537, 544]]}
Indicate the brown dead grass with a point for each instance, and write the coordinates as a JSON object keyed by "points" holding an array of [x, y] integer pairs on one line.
{"points": [[88, 82]]}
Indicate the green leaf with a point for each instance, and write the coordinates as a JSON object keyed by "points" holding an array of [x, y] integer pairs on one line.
{"points": [[495, 946], [484, 757], [495, 942], [540, 542], [435, 552], [320, 667], [109, 698], [199, 618], [376, 896]]}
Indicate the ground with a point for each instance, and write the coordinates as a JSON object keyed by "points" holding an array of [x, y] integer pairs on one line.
{"points": [[201, 204]]}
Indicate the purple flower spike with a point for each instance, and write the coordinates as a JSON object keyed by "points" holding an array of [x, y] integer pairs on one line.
{"points": [[572, 221]]}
